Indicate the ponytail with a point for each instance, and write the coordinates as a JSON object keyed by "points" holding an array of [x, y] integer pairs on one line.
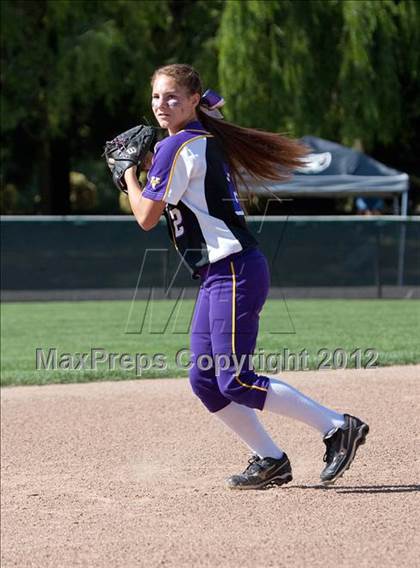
{"points": [[264, 156]]}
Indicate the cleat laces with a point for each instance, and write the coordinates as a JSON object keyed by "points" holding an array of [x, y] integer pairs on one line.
{"points": [[253, 465]]}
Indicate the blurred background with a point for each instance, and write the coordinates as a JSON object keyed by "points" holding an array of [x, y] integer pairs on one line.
{"points": [[77, 72], [343, 75]]}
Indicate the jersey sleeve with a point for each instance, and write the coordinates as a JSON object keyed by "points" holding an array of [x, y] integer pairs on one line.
{"points": [[171, 171]]}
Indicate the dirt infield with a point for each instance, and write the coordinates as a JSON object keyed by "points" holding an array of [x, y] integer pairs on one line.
{"points": [[132, 474]]}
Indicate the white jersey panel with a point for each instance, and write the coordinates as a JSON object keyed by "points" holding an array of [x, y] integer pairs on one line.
{"points": [[181, 172], [220, 240]]}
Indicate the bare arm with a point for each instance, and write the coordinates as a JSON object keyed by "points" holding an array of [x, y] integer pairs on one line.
{"points": [[146, 211]]}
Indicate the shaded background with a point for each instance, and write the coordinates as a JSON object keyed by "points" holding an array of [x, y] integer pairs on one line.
{"points": [[75, 73]]}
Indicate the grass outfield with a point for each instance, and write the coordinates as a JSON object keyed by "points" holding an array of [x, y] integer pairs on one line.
{"points": [[346, 329]]}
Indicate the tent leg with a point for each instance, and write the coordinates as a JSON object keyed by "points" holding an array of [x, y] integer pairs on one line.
{"points": [[404, 203], [378, 278]]}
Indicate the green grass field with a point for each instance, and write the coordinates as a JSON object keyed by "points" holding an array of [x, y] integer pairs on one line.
{"points": [[347, 327]]}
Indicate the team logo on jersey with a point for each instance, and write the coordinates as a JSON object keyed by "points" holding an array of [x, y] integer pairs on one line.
{"points": [[154, 181], [131, 150]]}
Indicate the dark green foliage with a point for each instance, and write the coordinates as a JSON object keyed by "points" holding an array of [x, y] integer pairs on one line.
{"points": [[76, 72], [332, 68]]}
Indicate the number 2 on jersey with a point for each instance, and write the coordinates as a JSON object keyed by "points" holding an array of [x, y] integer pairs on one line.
{"points": [[176, 217]]}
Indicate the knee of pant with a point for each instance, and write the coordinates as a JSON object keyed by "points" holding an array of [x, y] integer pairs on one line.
{"points": [[197, 381], [204, 386], [229, 386], [194, 377], [245, 389]]}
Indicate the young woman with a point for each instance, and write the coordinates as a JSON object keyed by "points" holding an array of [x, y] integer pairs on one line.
{"points": [[192, 180]]}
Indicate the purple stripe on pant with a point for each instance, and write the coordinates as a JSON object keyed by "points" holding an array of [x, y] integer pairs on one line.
{"points": [[224, 331]]}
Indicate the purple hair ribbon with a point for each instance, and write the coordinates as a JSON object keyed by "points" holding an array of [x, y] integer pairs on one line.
{"points": [[210, 103]]}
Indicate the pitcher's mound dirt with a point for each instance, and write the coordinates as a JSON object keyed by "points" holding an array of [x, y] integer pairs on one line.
{"points": [[132, 474]]}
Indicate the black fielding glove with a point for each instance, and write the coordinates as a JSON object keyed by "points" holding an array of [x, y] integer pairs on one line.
{"points": [[127, 150]]}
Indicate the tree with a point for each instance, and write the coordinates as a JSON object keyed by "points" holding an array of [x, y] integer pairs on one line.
{"points": [[60, 58], [76, 72], [330, 68], [192, 36]]}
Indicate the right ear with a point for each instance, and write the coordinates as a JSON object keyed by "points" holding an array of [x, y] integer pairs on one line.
{"points": [[197, 99]]}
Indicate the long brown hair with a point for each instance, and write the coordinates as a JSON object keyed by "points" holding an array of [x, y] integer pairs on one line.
{"points": [[265, 156]]}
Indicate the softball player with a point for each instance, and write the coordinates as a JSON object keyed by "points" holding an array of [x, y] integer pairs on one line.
{"points": [[192, 181]]}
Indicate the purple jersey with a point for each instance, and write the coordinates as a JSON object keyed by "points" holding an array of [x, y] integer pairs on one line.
{"points": [[205, 219]]}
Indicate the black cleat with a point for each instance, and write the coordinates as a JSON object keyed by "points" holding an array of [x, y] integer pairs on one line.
{"points": [[342, 444], [262, 473]]}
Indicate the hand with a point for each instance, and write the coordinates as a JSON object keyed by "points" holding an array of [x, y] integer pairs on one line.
{"points": [[130, 174], [147, 162]]}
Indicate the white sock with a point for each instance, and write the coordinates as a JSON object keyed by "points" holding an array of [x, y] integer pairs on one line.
{"points": [[288, 401], [244, 421]]}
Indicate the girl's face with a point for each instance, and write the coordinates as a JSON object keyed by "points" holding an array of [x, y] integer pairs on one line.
{"points": [[172, 105]]}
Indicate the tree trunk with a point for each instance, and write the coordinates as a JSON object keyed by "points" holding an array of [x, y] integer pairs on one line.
{"points": [[60, 177], [54, 176], [44, 175]]}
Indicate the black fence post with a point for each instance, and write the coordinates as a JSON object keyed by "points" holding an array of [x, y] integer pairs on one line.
{"points": [[378, 278]]}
